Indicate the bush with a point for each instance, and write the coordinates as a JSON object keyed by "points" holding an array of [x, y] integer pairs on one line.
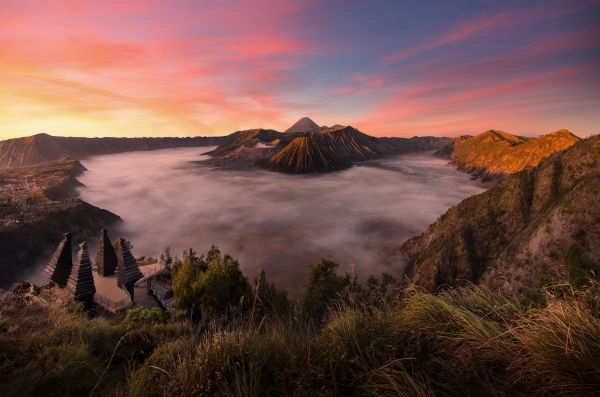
{"points": [[137, 317]]}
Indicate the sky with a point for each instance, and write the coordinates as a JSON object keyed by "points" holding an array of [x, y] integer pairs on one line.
{"points": [[211, 67]]}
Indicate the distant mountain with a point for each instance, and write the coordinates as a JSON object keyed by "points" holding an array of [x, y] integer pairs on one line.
{"points": [[244, 149], [515, 235], [250, 139], [496, 153], [337, 148], [307, 155], [42, 148], [305, 124]]}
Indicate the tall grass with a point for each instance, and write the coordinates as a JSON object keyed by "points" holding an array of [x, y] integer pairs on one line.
{"points": [[468, 342]]}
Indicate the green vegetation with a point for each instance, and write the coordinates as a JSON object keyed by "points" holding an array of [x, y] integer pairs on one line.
{"points": [[137, 317], [211, 286], [341, 338]]}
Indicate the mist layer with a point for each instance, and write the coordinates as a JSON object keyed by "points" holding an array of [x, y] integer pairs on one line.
{"points": [[281, 223]]}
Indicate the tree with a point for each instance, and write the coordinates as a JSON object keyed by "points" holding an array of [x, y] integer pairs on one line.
{"points": [[324, 287], [185, 274], [222, 286], [267, 298], [166, 258], [211, 286]]}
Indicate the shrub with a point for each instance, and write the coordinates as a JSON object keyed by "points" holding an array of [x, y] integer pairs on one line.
{"points": [[137, 317]]}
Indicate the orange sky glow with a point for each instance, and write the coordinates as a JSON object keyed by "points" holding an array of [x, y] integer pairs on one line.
{"points": [[188, 68]]}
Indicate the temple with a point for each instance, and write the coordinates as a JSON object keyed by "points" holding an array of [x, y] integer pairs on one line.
{"points": [[106, 258], [81, 280], [111, 284], [59, 267], [127, 269]]}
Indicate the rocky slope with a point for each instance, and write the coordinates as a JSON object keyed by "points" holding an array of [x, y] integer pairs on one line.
{"points": [[42, 148], [305, 124], [495, 153], [257, 137], [514, 236], [306, 155]]}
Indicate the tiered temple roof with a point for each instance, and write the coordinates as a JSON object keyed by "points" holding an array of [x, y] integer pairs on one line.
{"points": [[106, 258], [59, 267], [127, 269], [81, 280]]}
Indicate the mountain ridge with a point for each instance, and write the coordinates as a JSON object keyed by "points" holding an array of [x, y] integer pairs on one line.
{"points": [[41, 148], [529, 218], [337, 147], [494, 154]]}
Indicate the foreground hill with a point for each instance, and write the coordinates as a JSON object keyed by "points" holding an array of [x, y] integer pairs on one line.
{"points": [[42, 148], [496, 153], [340, 340], [37, 205], [515, 235], [329, 149]]}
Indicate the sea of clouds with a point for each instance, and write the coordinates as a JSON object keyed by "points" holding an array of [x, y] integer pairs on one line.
{"points": [[281, 223]]}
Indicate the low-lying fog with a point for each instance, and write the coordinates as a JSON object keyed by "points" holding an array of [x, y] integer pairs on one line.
{"points": [[282, 223]]}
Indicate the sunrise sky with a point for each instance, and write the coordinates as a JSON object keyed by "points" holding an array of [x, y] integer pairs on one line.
{"points": [[395, 68]]}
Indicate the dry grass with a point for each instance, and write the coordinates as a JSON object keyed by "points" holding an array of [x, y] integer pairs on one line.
{"points": [[466, 341]]}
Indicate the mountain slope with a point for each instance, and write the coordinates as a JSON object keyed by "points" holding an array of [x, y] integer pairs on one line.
{"points": [[514, 236], [42, 148], [306, 155], [249, 138], [37, 205], [305, 124], [496, 153]]}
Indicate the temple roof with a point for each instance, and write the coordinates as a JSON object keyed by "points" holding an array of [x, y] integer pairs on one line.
{"points": [[106, 258], [127, 269], [81, 280], [59, 267]]}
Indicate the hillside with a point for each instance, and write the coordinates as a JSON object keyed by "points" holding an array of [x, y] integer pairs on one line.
{"points": [[515, 235], [306, 155], [37, 205], [341, 339], [305, 124], [42, 148], [496, 153]]}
